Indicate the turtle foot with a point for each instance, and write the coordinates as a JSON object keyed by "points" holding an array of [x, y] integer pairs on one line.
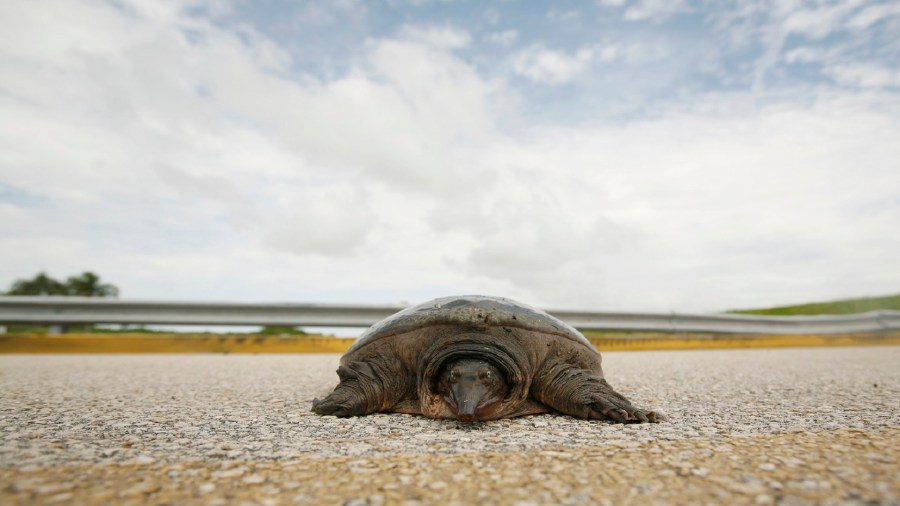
{"points": [[341, 402], [602, 411], [613, 406]]}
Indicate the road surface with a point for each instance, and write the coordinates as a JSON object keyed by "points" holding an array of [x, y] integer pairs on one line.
{"points": [[765, 426]]}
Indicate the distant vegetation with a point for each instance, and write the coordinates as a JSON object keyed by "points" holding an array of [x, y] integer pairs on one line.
{"points": [[847, 306], [38, 329], [140, 329], [276, 330], [87, 284]]}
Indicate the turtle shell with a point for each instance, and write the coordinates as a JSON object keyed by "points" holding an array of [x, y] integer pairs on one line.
{"points": [[468, 311]]}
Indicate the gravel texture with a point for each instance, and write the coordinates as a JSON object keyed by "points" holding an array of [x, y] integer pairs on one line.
{"points": [[145, 416], [846, 466]]}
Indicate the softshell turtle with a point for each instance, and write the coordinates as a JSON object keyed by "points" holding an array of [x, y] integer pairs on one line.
{"points": [[475, 358]]}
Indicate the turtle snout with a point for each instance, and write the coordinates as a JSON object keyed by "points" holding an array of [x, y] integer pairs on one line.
{"points": [[468, 395], [468, 417]]}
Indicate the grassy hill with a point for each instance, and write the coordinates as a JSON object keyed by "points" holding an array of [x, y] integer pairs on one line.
{"points": [[847, 306]]}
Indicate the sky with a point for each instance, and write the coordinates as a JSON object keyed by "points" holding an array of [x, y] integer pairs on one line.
{"points": [[612, 155]]}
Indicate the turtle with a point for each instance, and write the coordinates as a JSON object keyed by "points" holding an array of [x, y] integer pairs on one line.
{"points": [[475, 358]]}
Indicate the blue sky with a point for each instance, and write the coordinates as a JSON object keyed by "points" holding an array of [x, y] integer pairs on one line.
{"points": [[613, 154], [685, 48]]}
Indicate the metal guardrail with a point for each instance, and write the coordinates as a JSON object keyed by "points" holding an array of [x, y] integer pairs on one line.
{"points": [[88, 310], [74, 310], [874, 321]]}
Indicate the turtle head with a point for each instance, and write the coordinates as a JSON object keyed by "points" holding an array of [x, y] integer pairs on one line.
{"points": [[473, 388]]}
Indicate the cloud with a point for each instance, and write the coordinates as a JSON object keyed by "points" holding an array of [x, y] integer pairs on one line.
{"points": [[675, 212], [441, 37], [805, 54], [332, 220], [825, 35], [552, 67], [818, 22], [326, 12], [191, 158], [865, 75], [564, 16], [873, 14], [10, 213], [654, 10], [418, 3], [543, 252], [184, 138], [199, 185], [504, 38], [492, 15]]}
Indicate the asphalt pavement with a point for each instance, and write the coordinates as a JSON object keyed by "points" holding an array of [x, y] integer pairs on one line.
{"points": [[65, 413]]}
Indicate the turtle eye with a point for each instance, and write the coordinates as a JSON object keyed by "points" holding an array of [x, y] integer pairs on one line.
{"points": [[487, 375], [454, 375]]}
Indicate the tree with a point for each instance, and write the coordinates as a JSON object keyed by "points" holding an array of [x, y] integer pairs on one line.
{"points": [[89, 285], [42, 284], [86, 285]]}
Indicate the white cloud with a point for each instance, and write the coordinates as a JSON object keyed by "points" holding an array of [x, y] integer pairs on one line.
{"points": [[778, 26], [654, 10], [693, 206], [563, 16], [332, 220], [805, 54], [326, 12], [634, 53], [548, 66], [194, 183], [492, 15], [201, 141], [819, 21], [872, 14], [418, 3], [12, 214], [865, 75], [208, 166], [441, 37], [504, 38]]}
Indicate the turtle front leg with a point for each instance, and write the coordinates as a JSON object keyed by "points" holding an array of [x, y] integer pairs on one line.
{"points": [[365, 388], [585, 394]]}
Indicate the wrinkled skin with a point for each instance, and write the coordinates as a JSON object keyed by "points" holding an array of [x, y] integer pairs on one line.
{"points": [[565, 378], [482, 365]]}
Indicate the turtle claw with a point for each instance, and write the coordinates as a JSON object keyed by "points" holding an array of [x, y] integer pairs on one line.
{"points": [[641, 416], [621, 411], [602, 410], [617, 415]]}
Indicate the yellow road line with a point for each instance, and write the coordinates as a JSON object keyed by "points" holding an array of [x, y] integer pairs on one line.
{"points": [[730, 342], [202, 343]]}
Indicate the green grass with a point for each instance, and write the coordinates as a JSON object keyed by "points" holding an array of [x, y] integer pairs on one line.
{"points": [[137, 329], [848, 306]]}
